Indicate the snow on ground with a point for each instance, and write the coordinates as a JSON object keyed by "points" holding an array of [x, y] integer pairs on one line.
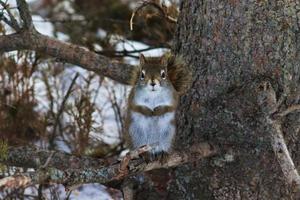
{"points": [[84, 192], [43, 27], [90, 192]]}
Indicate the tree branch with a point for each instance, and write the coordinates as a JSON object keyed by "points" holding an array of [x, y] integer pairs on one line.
{"points": [[70, 53], [269, 105], [30, 157], [70, 170], [27, 38], [283, 155]]}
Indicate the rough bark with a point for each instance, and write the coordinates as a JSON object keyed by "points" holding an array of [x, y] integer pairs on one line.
{"points": [[58, 167], [245, 59]]}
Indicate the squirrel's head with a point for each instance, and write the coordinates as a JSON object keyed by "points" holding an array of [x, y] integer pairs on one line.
{"points": [[152, 73]]}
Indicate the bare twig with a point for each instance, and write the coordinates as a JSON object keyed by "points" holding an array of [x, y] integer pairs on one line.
{"points": [[62, 107], [131, 19], [128, 53], [155, 5], [25, 14], [48, 160], [131, 51], [12, 22]]}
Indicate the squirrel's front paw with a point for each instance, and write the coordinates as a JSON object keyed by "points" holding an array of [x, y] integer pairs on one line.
{"points": [[157, 110]]}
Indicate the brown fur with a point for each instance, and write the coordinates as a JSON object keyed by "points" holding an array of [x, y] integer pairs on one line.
{"points": [[151, 64], [178, 76], [177, 70]]}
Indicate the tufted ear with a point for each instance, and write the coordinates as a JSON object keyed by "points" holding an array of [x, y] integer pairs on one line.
{"points": [[142, 59], [164, 60]]}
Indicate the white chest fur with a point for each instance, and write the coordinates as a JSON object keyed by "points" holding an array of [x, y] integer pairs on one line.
{"points": [[153, 130], [153, 99]]}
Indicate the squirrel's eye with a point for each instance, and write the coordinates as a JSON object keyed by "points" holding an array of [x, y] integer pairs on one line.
{"points": [[143, 75], [163, 74]]}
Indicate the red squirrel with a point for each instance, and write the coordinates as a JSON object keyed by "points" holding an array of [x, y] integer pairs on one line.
{"points": [[156, 87]]}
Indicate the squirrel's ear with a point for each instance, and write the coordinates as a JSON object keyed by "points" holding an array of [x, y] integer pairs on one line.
{"points": [[164, 60], [142, 59]]}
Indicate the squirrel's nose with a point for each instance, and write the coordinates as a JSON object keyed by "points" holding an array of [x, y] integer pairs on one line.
{"points": [[152, 84]]}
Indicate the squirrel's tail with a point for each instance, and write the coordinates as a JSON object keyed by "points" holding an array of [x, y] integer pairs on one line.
{"points": [[179, 73]]}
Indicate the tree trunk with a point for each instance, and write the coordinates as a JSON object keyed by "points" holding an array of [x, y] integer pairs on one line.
{"points": [[245, 59]]}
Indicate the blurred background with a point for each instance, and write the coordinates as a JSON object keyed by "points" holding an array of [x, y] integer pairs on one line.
{"points": [[53, 105]]}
